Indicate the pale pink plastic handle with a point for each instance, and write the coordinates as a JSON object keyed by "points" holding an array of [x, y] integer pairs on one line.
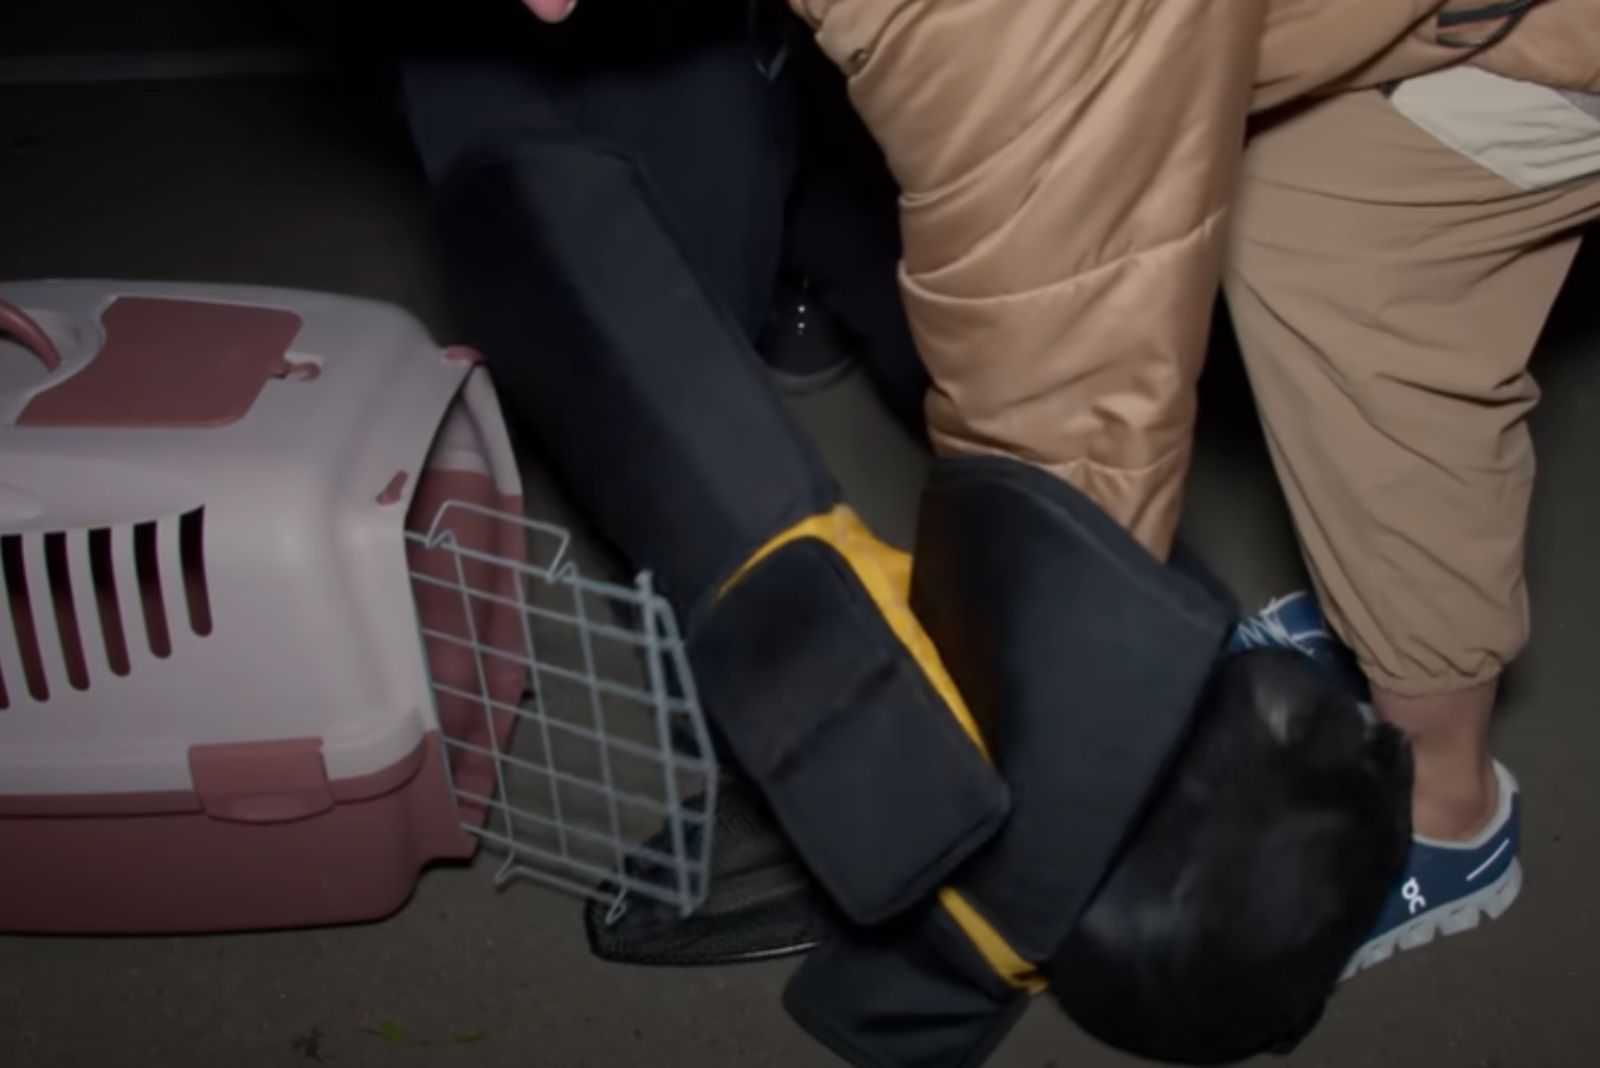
{"points": [[16, 322]]}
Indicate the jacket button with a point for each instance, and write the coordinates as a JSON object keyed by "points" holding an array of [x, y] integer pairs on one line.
{"points": [[858, 59]]}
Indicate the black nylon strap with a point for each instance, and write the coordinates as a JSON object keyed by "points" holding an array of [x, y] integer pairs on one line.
{"points": [[1509, 13]]}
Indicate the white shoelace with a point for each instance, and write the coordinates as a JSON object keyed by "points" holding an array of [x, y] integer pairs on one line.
{"points": [[1267, 628]]}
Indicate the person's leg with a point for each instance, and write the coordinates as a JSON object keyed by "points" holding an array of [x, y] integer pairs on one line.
{"points": [[566, 263], [1456, 792], [1387, 294]]}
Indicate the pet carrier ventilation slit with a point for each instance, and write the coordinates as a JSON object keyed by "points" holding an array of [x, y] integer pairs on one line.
{"points": [[67, 630], [192, 551], [22, 622], [148, 568], [108, 605]]}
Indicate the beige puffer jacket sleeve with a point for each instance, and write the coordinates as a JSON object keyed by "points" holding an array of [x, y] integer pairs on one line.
{"points": [[1066, 168]]}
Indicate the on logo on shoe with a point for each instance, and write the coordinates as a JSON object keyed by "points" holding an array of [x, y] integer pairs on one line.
{"points": [[1412, 892]]}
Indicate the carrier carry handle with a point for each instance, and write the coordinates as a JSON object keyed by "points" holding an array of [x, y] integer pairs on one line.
{"points": [[20, 325]]}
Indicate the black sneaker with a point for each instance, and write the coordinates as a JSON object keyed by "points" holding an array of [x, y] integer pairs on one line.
{"points": [[801, 345]]}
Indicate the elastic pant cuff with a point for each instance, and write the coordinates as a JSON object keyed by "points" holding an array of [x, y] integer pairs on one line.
{"points": [[1416, 684]]}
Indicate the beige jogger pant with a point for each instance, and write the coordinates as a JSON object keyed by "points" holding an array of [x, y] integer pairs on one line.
{"points": [[1387, 292]]}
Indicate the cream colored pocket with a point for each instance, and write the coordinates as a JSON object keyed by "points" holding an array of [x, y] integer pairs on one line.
{"points": [[1533, 137]]}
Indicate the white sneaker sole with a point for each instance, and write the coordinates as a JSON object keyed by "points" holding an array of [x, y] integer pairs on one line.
{"points": [[1458, 917]]}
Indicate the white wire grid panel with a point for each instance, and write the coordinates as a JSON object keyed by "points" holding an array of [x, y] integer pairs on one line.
{"points": [[595, 773]]}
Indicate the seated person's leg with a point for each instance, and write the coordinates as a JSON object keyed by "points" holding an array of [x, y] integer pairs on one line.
{"points": [[1388, 293], [566, 263]]}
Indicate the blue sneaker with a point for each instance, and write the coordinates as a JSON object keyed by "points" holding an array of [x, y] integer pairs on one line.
{"points": [[1448, 886], [1295, 621]]}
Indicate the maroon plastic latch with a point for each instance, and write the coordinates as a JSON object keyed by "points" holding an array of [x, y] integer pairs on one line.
{"points": [[261, 782]]}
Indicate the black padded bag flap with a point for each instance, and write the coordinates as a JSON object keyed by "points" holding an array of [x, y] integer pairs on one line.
{"points": [[1083, 655], [870, 775]]}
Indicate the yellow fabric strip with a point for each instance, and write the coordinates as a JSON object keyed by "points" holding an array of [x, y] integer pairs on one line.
{"points": [[885, 573], [990, 945]]}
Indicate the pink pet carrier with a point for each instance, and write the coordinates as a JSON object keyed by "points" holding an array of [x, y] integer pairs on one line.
{"points": [[275, 633]]}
